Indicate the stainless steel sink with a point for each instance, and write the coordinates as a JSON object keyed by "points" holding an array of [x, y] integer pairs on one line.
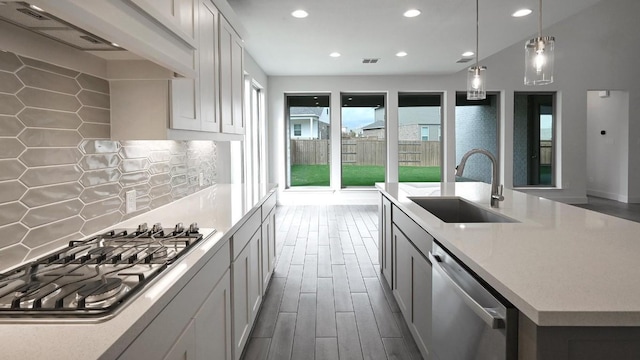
{"points": [[458, 210]]}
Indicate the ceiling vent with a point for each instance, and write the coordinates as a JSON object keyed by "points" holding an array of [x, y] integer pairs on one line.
{"points": [[370, 60], [464, 60]]}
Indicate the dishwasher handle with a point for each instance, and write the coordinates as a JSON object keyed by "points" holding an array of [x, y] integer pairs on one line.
{"points": [[491, 317]]}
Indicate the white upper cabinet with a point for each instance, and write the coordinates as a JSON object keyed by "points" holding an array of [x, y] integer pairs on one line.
{"points": [[231, 79], [177, 15], [186, 108]]}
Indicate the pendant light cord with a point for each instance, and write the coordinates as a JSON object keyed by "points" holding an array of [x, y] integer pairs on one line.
{"points": [[477, 34], [540, 20]]}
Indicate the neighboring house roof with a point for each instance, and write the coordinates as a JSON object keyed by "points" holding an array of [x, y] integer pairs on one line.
{"points": [[308, 110], [374, 125]]}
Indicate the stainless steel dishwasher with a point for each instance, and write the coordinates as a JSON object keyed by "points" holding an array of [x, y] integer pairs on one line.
{"points": [[469, 323]]}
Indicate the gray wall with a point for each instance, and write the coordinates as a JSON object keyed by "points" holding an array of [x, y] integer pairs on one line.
{"points": [[477, 127]]}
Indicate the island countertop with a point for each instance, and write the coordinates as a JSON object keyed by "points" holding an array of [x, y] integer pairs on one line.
{"points": [[560, 265]]}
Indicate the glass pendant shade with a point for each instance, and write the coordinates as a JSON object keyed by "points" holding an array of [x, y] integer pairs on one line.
{"points": [[539, 61], [476, 77]]}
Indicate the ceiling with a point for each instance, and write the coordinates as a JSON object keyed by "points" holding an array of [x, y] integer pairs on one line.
{"points": [[434, 41]]}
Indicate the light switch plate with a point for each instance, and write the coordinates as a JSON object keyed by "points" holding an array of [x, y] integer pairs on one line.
{"points": [[130, 201]]}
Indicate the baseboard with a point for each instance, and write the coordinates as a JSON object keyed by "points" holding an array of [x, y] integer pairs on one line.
{"points": [[608, 195]]}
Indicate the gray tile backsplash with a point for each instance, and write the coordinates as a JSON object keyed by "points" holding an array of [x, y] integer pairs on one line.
{"points": [[61, 178]]}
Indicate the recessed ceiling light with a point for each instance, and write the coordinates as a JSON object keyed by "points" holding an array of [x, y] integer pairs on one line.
{"points": [[335, 54], [34, 7], [467, 53], [401, 54], [300, 14], [412, 13], [114, 44], [521, 13]]}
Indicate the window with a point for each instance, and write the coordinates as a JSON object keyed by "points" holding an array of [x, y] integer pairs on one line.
{"points": [[533, 139], [419, 156], [308, 156], [424, 133], [364, 118]]}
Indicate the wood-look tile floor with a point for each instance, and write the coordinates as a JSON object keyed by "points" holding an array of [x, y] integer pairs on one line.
{"points": [[326, 299]]}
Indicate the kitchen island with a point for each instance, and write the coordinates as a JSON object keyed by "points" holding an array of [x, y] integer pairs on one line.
{"points": [[573, 274], [230, 209]]}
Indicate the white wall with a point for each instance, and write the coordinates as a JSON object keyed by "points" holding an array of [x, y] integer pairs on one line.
{"points": [[595, 49], [608, 155]]}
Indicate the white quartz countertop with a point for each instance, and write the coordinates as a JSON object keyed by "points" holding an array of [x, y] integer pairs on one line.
{"points": [[560, 265], [221, 206]]}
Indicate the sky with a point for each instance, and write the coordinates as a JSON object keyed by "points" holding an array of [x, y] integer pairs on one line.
{"points": [[357, 117]]}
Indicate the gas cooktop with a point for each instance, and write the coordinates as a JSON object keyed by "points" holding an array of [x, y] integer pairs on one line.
{"points": [[92, 278]]}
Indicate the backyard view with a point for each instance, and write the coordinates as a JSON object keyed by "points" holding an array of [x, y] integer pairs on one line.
{"points": [[359, 175], [363, 139]]}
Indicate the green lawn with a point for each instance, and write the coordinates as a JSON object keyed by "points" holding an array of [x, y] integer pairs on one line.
{"points": [[354, 175]]}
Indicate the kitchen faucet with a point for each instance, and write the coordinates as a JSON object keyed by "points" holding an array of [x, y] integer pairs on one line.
{"points": [[496, 195]]}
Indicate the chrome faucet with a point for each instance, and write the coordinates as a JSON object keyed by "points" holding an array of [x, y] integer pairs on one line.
{"points": [[496, 191]]}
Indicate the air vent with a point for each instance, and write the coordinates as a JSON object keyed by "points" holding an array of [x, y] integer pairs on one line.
{"points": [[464, 60], [32, 13], [90, 39], [370, 61]]}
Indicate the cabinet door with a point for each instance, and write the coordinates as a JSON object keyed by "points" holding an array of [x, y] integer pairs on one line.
{"points": [[231, 79], [246, 294], [185, 93], [421, 294], [184, 347], [208, 47], [185, 102], [213, 323], [268, 249], [384, 244], [402, 273]]}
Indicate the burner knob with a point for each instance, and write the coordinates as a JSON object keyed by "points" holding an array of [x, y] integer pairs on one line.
{"points": [[193, 228], [143, 228], [157, 227], [178, 229]]}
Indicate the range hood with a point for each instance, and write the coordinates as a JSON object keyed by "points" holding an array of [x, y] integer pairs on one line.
{"points": [[39, 21]]}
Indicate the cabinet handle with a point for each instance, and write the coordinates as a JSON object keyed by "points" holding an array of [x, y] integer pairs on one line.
{"points": [[488, 315]]}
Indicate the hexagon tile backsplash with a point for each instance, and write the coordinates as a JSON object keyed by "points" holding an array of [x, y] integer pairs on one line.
{"points": [[61, 177]]}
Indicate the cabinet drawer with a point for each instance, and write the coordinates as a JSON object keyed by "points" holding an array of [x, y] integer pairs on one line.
{"points": [[268, 205], [244, 234], [417, 235]]}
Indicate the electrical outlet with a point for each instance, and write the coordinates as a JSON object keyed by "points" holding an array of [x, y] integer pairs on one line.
{"points": [[201, 179], [130, 201]]}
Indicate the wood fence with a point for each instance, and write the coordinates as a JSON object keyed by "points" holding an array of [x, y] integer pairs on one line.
{"points": [[365, 152]]}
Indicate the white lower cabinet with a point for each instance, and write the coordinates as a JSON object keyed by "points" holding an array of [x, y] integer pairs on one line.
{"points": [[384, 235], [412, 282], [268, 260], [213, 323], [247, 294], [185, 347]]}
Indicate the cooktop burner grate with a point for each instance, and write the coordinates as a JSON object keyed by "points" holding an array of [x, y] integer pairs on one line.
{"points": [[93, 277]]}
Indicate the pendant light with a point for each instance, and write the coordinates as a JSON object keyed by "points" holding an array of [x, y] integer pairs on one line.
{"points": [[476, 75], [538, 60]]}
